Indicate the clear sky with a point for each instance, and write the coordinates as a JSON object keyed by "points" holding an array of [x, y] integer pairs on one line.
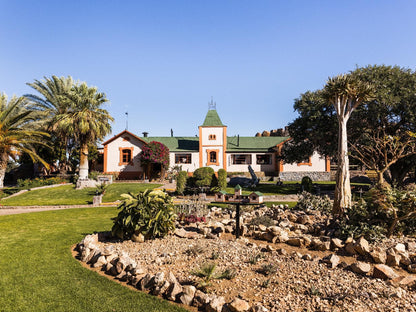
{"points": [[163, 60]]}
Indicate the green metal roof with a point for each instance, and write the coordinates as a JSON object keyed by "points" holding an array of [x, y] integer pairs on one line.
{"points": [[234, 144], [253, 144], [238, 187], [258, 193], [177, 144], [212, 119]]}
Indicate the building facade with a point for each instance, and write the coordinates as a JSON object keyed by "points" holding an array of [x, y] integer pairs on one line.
{"points": [[212, 148]]}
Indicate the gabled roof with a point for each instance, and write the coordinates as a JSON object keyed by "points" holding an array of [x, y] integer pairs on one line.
{"points": [[212, 119], [120, 134], [254, 144], [257, 193], [176, 144]]}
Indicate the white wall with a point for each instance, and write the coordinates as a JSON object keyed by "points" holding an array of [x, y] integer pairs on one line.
{"points": [[113, 154], [318, 164], [185, 167], [217, 131]]}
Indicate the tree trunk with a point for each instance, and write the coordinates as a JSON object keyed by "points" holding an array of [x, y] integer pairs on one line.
{"points": [[83, 162], [342, 198], [3, 167], [380, 177]]}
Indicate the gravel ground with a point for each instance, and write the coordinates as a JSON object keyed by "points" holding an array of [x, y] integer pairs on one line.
{"points": [[297, 284]]}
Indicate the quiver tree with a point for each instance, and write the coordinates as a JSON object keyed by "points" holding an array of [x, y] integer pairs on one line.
{"points": [[154, 153], [345, 93]]}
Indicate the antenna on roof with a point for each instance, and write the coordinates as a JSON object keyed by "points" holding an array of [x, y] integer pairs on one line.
{"points": [[127, 120], [212, 104]]}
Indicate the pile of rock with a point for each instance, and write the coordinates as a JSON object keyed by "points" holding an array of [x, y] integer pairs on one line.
{"points": [[124, 268]]}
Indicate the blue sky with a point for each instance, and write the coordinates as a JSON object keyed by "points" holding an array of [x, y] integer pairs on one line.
{"points": [[163, 60]]}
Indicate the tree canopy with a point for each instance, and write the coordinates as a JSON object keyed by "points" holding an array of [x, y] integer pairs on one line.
{"points": [[376, 124]]}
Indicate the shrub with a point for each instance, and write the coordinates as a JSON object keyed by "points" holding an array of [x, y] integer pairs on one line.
{"points": [[181, 182], [222, 179], [93, 175], [203, 176], [307, 184], [310, 201], [383, 211], [264, 220], [149, 212]]}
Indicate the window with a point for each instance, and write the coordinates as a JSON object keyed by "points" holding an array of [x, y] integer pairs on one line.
{"points": [[263, 159], [212, 157], [212, 137], [183, 158], [241, 159], [126, 154]]}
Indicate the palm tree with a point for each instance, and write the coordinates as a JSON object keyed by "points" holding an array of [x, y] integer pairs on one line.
{"points": [[345, 93], [54, 102], [18, 133], [85, 120]]}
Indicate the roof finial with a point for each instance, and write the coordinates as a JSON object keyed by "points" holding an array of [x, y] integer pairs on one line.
{"points": [[212, 104]]}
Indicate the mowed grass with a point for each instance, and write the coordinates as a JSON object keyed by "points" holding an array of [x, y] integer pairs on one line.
{"points": [[68, 195], [38, 272]]}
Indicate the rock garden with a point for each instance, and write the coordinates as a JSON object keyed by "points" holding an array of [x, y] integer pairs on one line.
{"points": [[286, 260]]}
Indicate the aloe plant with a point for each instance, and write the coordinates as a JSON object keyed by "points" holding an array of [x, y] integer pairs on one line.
{"points": [[150, 212]]}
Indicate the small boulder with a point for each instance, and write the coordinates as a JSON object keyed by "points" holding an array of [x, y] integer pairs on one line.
{"points": [[215, 305], [400, 248], [361, 246], [361, 267], [294, 241], [238, 305], [332, 260], [188, 293], [350, 249], [379, 255], [337, 243], [384, 272], [393, 260], [258, 308]]}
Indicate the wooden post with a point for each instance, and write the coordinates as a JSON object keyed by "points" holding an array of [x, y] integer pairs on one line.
{"points": [[237, 221]]}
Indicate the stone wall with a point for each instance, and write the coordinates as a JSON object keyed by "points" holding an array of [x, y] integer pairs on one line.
{"points": [[297, 176]]}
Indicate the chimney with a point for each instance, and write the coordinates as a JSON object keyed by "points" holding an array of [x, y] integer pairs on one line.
{"points": [[145, 134], [238, 140]]}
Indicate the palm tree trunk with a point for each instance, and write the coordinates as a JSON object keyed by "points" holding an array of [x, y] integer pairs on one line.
{"points": [[342, 198], [3, 167], [83, 162]]}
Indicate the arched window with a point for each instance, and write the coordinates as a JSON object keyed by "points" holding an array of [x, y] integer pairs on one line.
{"points": [[212, 157]]}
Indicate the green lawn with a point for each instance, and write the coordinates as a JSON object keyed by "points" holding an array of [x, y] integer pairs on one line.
{"points": [[68, 195], [38, 272]]}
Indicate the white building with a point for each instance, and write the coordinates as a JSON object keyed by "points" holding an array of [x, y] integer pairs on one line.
{"points": [[211, 149]]}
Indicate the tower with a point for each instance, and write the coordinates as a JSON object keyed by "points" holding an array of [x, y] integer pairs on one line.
{"points": [[212, 140]]}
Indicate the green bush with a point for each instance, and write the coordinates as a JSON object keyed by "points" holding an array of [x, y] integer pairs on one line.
{"points": [[93, 175], [222, 179], [203, 176], [307, 184], [310, 201], [389, 208], [150, 213], [181, 182]]}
